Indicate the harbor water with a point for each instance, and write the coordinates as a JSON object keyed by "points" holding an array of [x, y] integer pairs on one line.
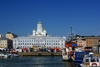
{"points": [[35, 61]]}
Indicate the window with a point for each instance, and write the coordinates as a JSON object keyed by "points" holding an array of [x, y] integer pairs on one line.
{"points": [[87, 42], [78, 55], [87, 60], [97, 59], [93, 60]]}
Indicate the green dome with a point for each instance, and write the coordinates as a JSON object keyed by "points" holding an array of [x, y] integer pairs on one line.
{"points": [[39, 22], [45, 29], [34, 29]]}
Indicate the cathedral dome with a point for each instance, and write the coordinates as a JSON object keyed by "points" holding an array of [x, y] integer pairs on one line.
{"points": [[39, 22], [34, 30]]}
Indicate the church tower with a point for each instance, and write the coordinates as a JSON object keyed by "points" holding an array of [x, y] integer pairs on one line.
{"points": [[39, 27]]}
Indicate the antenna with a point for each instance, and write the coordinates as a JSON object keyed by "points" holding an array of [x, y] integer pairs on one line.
{"points": [[71, 35]]}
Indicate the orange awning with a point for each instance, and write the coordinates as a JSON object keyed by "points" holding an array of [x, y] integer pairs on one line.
{"points": [[24, 48]]}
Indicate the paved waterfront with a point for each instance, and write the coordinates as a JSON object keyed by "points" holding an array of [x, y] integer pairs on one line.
{"points": [[36, 61], [40, 53]]}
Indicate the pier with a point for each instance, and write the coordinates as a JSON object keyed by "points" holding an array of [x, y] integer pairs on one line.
{"points": [[40, 54]]}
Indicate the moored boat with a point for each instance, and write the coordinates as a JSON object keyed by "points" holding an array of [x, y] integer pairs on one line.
{"points": [[89, 61], [78, 58]]}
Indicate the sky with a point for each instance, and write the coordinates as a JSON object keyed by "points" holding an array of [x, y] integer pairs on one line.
{"points": [[21, 16]]}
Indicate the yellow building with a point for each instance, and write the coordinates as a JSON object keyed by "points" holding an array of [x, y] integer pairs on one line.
{"points": [[5, 42], [92, 41], [10, 35]]}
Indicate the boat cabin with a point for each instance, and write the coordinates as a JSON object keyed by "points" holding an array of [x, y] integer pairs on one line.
{"points": [[79, 57], [91, 61]]}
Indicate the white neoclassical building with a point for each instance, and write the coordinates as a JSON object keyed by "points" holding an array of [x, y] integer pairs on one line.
{"points": [[39, 38], [40, 31]]}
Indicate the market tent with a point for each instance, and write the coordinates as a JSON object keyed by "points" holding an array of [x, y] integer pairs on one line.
{"points": [[24, 48]]}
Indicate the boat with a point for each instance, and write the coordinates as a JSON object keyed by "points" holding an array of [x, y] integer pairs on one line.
{"points": [[3, 56], [78, 58], [66, 55], [89, 61]]}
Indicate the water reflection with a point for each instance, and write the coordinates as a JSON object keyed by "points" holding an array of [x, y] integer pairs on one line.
{"points": [[36, 61]]}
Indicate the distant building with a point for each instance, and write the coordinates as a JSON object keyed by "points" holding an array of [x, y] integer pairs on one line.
{"points": [[40, 31], [10, 35], [81, 43], [5, 43], [39, 39], [81, 37], [1, 36], [92, 41]]}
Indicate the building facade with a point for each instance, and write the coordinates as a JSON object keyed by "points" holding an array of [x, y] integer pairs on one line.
{"points": [[5, 43], [48, 42], [81, 43], [1, 36], [92, 41], [10, 35], [39, 38]]}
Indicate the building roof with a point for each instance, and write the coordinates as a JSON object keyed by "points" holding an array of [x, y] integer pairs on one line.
{"points": [[39, 22], [45, 29], [34, 29], [4, 39], [40, 37], [8, 32]]}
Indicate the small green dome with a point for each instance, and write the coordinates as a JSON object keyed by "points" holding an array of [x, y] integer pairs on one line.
{"points": [[45, 29], [34, 30]]}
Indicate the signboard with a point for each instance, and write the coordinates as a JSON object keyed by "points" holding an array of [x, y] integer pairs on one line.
{"points": [[42, 45]]}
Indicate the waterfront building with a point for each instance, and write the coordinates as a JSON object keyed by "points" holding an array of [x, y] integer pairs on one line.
{"points": [[39, 38], [1, 36], [81, 37], [92, 41], [10, 35], [81, 43], [5, 43]]}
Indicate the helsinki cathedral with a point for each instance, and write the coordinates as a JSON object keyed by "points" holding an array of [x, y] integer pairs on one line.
{"points": [[39, 38], [40, 31]]}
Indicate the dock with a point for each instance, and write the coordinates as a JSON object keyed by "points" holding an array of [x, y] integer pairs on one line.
{"points": [[40, 53]]}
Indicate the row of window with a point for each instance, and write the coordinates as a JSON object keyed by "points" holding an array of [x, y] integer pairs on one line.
{"points": [[3, 44], [31, 47], [39, 41], [92, 42]]}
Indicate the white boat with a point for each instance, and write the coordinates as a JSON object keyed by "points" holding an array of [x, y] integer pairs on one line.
{"points": [[89, 61], [65, 55], [5, 56]]}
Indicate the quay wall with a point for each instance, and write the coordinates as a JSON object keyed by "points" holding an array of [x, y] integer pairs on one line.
{"points": [[40, 53]]}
